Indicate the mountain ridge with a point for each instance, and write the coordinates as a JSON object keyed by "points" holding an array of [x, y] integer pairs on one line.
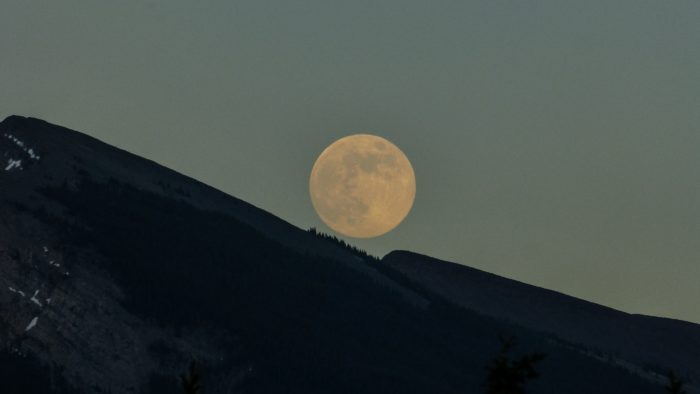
{"points": [[87, 144], [543, 309], [115, 270]]}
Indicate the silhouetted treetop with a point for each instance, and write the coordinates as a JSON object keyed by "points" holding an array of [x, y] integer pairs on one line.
{"points": [[675, 385], [190, 380], [509, 376]]}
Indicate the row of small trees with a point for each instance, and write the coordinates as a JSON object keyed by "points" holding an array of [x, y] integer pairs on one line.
{"points": [[353, 249]]}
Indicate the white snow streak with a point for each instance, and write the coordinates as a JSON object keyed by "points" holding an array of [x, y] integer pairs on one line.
{"points": [[32, 323], [20, 292], [12, 289], [13, 164], [35, 300], [23, 146]]}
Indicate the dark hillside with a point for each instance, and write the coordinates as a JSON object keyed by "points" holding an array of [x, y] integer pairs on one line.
{"points": [[110, 282]]}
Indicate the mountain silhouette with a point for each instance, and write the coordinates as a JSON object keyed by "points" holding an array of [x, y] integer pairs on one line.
{"points": [[117, 273]]}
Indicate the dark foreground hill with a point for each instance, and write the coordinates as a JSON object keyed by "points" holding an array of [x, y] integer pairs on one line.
{"points": [[645, 344], [116, 272]]}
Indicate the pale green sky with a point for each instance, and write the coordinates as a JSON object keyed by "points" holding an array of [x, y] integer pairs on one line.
{"points": [[554, 142]]}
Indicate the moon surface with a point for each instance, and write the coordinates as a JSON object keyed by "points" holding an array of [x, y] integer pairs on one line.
{"points": [[362, 186]]}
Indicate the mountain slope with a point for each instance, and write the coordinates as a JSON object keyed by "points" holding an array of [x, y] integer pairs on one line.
{"points": [[64, 154], [655, 343], [115, 272]]}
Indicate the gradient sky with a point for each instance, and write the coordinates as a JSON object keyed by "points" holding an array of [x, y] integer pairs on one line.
{"points": [[554, 142]]}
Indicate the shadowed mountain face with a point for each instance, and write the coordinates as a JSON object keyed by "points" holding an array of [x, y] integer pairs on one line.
{"points": [[636, 341], [115, 272]]}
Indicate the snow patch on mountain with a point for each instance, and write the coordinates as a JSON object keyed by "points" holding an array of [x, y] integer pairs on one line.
{"points": [[11, 163], [29, 151], [20, 292], [36, 300], [32, 323]]}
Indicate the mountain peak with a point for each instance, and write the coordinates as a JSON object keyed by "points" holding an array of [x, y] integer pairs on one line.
{"points": [[28, 123], [14, 118]]}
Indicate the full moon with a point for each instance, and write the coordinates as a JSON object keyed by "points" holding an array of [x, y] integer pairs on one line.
{"points": [[362, 186]]}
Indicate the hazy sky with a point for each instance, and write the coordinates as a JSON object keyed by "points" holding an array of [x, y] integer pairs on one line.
{"points": [[554, 142]]}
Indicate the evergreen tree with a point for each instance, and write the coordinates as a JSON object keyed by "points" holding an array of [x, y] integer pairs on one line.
{"points": [[190, 380], [507, 375], [675, 384]]}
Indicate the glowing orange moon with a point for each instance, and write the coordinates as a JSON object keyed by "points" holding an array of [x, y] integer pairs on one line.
{"points": [[362, 186]]}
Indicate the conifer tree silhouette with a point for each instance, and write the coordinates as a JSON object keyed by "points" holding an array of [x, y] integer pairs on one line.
{"points": [[675, 384], [508, 376], [190, 380]]}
